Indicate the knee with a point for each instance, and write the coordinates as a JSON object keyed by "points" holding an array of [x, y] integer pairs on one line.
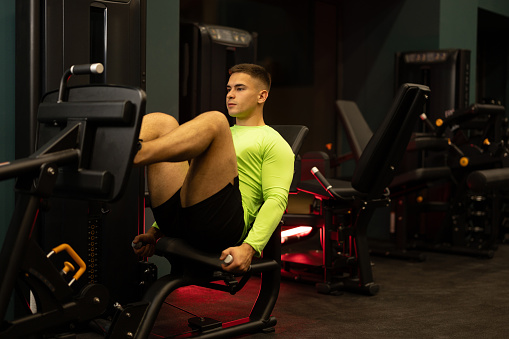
{"points": [[155, 125], [216, 119], [161, 121]]}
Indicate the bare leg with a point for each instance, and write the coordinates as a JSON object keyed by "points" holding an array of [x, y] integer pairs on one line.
{"points": [[205, 140], [164, 178]]}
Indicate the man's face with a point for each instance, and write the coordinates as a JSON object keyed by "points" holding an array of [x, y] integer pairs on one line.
{"points": [[243, 94]]}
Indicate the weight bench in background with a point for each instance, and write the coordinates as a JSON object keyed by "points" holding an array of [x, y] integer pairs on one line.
{"points": [[357, 132], [415, 173], [423, 166], [347, 206]]}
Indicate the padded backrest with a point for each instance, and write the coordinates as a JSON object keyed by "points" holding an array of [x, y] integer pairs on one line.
{"points": [[294, 136], [358, 132], [109, 119], [381, 156]]}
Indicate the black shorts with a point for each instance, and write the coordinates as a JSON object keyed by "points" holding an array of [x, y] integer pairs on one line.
{"points": [[212, 225]]}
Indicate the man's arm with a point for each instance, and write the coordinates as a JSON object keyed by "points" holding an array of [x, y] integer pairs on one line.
{"points": [[265, 223], [269, 216], [277, 175]]}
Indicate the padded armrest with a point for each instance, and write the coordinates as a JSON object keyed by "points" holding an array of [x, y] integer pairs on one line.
{"points": [[420, 175], [491, 179], [178, 247], [471, 114], [427, 142]]}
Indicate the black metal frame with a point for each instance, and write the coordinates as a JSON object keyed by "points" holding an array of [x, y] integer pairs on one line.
{"points": [[193, 267], [348, 206], [70, 158]]}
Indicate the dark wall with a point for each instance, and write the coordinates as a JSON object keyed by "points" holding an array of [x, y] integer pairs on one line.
{"points": [[162, 56], [7, 59], [372, 33], [492, 58]]}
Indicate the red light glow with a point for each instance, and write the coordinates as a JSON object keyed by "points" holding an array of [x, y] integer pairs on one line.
{"points": [[296, 232]]}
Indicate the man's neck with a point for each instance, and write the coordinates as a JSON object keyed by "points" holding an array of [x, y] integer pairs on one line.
{"points": [[253, 120]]}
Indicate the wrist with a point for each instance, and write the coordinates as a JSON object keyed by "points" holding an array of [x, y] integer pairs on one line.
{"points": [[155, 232], [248, 248]]}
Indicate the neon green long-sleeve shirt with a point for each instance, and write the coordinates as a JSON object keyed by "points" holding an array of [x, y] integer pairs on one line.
{"points": [[265, 164]]}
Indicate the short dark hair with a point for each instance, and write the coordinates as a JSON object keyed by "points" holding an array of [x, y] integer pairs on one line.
{"points": [[255, 71]]}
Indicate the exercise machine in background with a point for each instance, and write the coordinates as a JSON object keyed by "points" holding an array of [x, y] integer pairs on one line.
{"points": [[438, 211], [432, 207], [473, 223], [207, 52], [346, 207]]}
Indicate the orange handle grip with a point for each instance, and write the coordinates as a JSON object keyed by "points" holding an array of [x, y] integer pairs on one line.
{"points": [[74, 256]]}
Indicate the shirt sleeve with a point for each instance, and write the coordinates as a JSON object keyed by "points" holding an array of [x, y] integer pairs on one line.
{"points": [[277, 175]]}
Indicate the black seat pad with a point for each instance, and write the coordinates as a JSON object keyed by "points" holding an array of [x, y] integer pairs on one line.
{"points": [[341, 187]]}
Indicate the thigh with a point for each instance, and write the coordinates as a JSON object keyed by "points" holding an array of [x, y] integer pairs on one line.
{"points": [[163, 178], [167, 216], [213, 169], [217, 222]]}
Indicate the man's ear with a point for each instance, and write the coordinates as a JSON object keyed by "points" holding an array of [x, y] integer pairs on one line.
{"points": [[262, 96]]}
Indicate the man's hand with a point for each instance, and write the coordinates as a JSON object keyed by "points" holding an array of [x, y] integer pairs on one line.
{"points": [[148, 240], [242, 256]]}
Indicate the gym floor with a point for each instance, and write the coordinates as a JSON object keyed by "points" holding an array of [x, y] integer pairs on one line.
{"points": [[446, 296]]}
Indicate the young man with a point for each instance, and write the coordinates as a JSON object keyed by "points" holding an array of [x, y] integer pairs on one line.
{"points": [[231, 194]]}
